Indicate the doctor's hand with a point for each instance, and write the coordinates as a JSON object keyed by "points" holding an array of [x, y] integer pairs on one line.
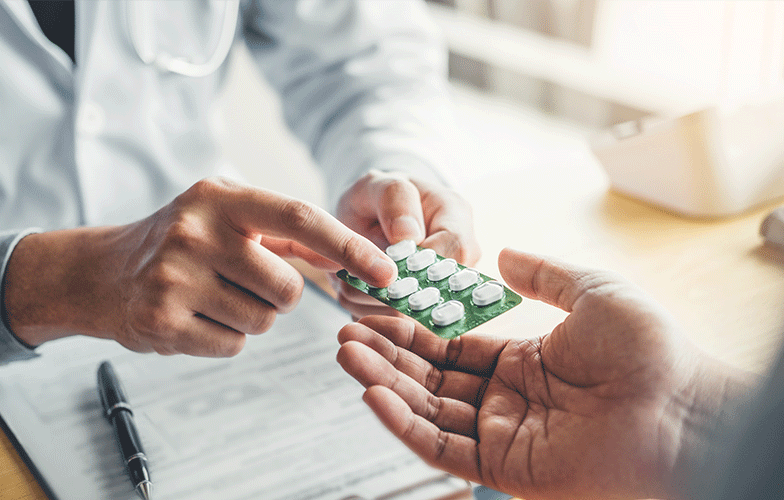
{"points": [[608, 405], [194, 278], [389, 207]]}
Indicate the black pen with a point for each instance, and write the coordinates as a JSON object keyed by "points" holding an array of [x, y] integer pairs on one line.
{"points": [[119, 413]]}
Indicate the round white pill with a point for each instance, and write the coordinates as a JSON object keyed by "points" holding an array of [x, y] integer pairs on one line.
{"points": [[441, 270], [463, 279], [423, 299], [421, 259], [402, 288], [401, 250], [487, 293], [448, 312]]}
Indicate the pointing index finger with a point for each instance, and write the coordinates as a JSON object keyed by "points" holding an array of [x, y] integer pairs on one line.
{"points": [[256, 210]]}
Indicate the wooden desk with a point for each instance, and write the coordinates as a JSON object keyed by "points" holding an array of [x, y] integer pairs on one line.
{"points": [[16, 480], [715, 276]]}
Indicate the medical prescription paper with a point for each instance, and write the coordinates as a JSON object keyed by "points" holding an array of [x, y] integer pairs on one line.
{"points": [[279, 421]]}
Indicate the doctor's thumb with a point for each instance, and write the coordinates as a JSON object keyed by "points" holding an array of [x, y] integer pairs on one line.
{"points": [[399, 209]]}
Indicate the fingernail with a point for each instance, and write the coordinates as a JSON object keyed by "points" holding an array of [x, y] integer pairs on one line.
{"points": [[407, 227], [384, 268]]}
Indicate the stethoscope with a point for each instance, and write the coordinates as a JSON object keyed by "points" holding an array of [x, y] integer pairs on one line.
{"points": [[139, 30]]}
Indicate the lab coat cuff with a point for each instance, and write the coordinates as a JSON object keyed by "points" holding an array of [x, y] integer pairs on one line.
{"points": [[11, 347]]}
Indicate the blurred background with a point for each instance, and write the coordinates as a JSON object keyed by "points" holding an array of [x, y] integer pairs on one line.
{"points": [[601, 62], [532, 82], [580, 66]]}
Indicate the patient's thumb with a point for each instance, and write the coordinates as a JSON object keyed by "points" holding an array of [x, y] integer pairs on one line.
{"points": [[543, 278]]}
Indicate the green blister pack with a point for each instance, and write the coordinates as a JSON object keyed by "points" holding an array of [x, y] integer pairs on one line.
{"points": [[446, 297]]}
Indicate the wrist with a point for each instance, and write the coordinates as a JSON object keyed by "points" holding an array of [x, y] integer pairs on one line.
{"points": [[702, 414], [57, 284]]}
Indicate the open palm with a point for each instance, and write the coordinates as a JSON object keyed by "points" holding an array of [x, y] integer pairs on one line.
{"points": [[593, 409]]}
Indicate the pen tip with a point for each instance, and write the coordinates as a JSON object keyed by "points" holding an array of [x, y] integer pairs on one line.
{"points": [[144, 489]]}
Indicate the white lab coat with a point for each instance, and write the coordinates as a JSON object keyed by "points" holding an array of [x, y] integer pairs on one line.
{"points": [[112, 139]]}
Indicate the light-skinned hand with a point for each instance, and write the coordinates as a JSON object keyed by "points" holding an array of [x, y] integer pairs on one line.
{"points": [[193, 278], [607, 405], [391, 207]]}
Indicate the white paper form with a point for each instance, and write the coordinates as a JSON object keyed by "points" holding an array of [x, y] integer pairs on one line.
{"points": [[279, 421]]}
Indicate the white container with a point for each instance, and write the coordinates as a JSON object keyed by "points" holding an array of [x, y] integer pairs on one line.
{"points": [[713, 163]]}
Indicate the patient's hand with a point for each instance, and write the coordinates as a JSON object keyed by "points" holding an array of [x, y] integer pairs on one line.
{"points": [[594, 408]]}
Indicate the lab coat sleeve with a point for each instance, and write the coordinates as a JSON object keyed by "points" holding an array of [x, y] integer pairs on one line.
{"points": [[11, 348], [362, 83]]}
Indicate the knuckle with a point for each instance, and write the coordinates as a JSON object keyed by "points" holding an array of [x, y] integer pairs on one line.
{"points": [[161, 279], [298, 215], [230, 346], [184, 234], [433, 380], [262, 321], [409, 432], [453, 245], [379, 177], [290, 290], [164, 350], [460, 246], [130, 339], [205, 192], [366, 179], [351, 248], [454, 349], [432, 407], [590, 286], [209, 186], [442, 444], [158, 321], [154, 324]]}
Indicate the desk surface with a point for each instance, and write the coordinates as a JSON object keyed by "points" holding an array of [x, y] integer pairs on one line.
{"points": [[716, 277]]}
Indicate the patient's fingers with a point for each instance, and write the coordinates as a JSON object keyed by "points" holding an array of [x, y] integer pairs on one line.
{"points": [[451, 452], [469, 353], [370, 368], [453, 384]]}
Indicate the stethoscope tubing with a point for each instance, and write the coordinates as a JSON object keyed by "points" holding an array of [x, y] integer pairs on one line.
{"points": [[139, 31]]}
